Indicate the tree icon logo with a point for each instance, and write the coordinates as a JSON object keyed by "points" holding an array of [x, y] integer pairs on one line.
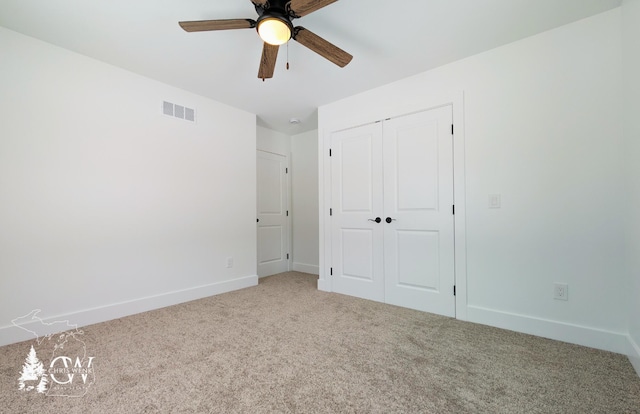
{"points": [[33, 375]]}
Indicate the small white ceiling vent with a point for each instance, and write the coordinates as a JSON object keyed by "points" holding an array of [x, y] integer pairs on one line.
{"points": [[178, 111]]}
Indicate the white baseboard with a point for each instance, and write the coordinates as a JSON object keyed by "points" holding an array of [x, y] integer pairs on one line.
{"points": [[565, 332], [306, 268], [324, 285], [12, 334], [634, 356]]}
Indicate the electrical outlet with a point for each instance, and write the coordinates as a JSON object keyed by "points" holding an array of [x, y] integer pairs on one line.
{"points": [[561, 291], [229, 261]]}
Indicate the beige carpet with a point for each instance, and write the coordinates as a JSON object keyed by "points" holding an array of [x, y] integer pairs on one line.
{"points": [[285, 347]]}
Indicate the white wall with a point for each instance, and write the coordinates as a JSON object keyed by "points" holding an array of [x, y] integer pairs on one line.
{"points": [[542, 127], [273, 141], [107, 207], [631, 62], [304, 167]]}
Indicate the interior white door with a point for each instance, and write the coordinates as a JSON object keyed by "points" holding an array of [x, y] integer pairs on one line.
{"points": [[357, 255], [418, 203], [273, 216]]}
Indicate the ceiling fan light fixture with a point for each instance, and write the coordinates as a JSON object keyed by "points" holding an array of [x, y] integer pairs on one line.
{"points": [[274, 30]]}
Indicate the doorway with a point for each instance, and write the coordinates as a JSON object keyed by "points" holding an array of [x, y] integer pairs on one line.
{"points": [[273, 236]]}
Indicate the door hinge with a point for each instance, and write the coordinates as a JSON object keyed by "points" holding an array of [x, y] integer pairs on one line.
{"points": [[286, 171], [287, 213], [453, 209], [331, 273], [287, 256], [454, 290], [329, 151], [451, 129], [331, 212]]}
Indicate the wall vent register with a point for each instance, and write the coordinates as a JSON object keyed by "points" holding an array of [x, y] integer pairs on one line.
{"points": [[178, 111]]}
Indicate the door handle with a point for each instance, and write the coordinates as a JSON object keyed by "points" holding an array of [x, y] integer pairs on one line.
{"points": [[389, 219], [377, 220]]}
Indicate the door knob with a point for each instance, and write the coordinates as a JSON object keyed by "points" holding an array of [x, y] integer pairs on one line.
{"points": [[389, 219], [377, 220]]}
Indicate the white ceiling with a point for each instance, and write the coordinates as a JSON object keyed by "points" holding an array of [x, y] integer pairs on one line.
{"points": [[389, 40]]}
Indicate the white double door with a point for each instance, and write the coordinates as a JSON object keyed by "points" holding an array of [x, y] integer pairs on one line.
{"points": [[392, 220]]}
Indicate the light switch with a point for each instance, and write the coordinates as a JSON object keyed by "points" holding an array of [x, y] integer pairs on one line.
{"points": [[494, 201]]}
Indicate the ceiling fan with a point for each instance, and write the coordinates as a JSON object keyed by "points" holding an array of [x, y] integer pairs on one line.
{"points": [[275, 28]]}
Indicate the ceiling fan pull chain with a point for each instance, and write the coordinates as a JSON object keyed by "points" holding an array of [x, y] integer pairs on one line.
{"points": [[287, 55]]}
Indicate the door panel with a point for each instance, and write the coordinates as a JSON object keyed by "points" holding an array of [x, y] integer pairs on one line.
{"points": [[418, 185], [271, 241], [418, 259], [273, 223], [357, 250], [357, 262], [416, 164], [356, 157]]}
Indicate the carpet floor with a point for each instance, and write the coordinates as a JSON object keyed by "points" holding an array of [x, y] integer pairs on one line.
{"points": [[285, 347]]}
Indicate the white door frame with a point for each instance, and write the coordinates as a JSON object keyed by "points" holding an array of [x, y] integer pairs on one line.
{"points": [[456, 100]]}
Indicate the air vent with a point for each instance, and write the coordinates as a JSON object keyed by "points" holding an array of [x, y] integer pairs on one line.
{"points": [[178, 111], [190, 114], [167, 108]]}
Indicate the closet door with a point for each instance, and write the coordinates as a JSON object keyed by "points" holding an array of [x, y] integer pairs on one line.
{"points": [[356, 198], [418, 201]]}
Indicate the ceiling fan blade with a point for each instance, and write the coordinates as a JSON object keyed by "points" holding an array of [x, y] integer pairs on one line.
{"points": [[303, 7], [322, 47], [268, 61], [260, 3], [222, 24]]}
